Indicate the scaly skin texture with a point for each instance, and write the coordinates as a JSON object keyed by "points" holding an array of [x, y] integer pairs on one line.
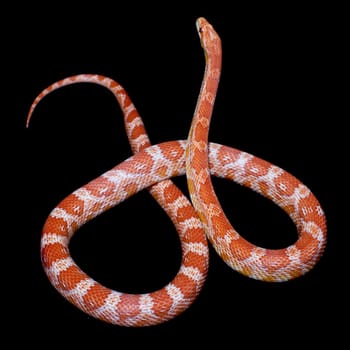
{"points": [[150, 168]]}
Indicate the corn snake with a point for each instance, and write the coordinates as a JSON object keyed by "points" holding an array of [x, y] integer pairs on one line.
{"points": [[204, 220]]}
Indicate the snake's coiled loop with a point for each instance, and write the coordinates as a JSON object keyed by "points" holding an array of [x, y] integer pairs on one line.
{"points": [[150, 168]]}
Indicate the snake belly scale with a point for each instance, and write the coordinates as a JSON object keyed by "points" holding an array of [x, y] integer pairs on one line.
{"points": [[197, 222]]}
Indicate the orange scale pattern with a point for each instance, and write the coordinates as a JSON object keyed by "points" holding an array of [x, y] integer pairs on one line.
{"points": [[197, 221]]}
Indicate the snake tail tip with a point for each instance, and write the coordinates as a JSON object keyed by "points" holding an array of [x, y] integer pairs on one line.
{"points": [[28, 120]]}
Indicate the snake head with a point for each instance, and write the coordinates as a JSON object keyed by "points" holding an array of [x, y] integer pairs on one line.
{"points": [[210, 40]]}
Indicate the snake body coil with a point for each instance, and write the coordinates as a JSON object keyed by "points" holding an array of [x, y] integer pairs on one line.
{"points": [[150, 168]]}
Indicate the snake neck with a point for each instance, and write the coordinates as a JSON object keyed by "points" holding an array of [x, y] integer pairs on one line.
{"points": [[211, 44], [197, 149], [199, 130]]}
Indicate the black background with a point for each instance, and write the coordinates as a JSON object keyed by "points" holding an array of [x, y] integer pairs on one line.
{"points": [[279, 98]]}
